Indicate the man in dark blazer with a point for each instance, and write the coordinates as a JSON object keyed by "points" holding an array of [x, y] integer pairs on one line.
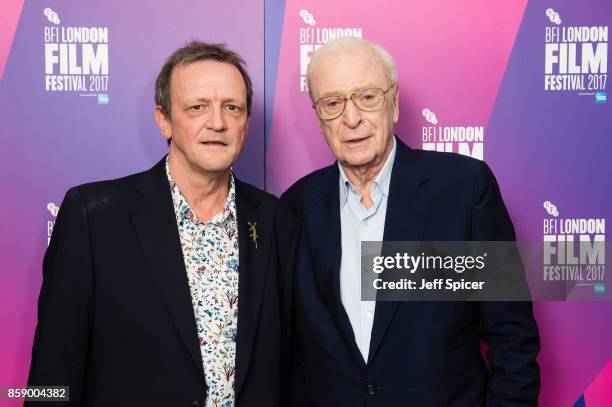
{"points": [[171, 287], [354, 353]]}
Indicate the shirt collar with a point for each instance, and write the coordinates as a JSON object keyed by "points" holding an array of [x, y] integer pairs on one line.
{"points": [[382, 181], [184, 212], [345, 186]]}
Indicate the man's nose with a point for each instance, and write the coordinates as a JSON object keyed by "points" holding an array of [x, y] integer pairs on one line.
{"points": [[216, 120], [351, 115]]}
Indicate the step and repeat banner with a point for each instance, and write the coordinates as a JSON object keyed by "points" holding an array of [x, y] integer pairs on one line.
{"points": [[76, 100], [520, 84]]}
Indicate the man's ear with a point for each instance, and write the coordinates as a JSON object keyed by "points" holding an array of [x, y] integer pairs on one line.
{"points": [[163, 122], [396, 104]]}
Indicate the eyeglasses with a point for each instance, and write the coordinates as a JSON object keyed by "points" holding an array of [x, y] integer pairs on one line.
{"points": [[368, 100]]}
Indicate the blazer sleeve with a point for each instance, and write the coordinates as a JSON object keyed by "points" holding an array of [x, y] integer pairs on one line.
{"points": [[288, 227], [65, 303], [296, 377], [508, 327], [294, 396]]}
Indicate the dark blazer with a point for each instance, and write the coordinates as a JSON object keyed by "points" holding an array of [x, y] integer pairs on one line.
{"points": [[115, 318], [424, 354]]}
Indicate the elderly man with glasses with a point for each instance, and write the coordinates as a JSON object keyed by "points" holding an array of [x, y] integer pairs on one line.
{"points": [[350, 352]]}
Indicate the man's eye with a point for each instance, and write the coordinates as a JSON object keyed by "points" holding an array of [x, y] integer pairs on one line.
{"points": [[367, 96], [233, 108], [197, 108], [332, 103]]}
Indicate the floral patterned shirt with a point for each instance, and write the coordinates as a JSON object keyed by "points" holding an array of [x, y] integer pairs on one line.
{"points": [[210, 252]]}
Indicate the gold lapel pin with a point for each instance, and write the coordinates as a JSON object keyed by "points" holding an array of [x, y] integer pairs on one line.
{"points": [[253, 232]]}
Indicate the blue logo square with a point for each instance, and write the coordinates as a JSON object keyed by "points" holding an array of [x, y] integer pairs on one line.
{"points": [[601, 97], [599, 288], [103, 98]]}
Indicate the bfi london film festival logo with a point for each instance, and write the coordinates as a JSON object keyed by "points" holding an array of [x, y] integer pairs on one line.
{"points": [[76, 58], [53, 210], [312, 37], [465, 140], [575, 58], [574, 249]]}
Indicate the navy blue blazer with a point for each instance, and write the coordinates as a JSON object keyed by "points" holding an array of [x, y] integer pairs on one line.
{"points": [[421, 353]]}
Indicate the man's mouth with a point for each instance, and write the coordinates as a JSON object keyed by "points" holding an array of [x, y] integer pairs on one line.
{"points": [[356, 141], [213, 143]]}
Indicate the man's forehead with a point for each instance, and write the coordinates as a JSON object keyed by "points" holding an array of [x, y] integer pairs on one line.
{"points": [[206, 70], [202, 78], [348, 71], [331, 89]]}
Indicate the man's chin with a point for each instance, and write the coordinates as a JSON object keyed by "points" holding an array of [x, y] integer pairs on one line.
{"points": [[355, 160], [214, 167]]}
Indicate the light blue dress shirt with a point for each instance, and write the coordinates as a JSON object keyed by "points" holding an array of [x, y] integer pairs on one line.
{"points": [[360, 224]]}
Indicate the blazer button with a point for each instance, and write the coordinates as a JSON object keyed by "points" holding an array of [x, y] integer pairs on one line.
{"points": [[196, 403], [371, 389]]}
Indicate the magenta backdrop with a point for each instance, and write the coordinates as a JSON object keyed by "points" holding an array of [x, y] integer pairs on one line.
{"points": [[474, 64], [478, 64]]}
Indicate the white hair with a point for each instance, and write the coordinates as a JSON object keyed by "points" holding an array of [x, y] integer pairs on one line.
{"points": [[345, 43]]}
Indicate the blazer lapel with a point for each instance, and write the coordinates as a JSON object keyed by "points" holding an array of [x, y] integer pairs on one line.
{"points": [[254, 234], [155, 223], [327, 217], [407, 212]]}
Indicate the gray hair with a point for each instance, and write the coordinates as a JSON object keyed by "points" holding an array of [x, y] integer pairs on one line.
{"points": [[344, 43]]}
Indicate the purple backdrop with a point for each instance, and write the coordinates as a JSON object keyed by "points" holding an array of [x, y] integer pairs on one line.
{"points": [[476, 65], [469, 64], [54, 140]]}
